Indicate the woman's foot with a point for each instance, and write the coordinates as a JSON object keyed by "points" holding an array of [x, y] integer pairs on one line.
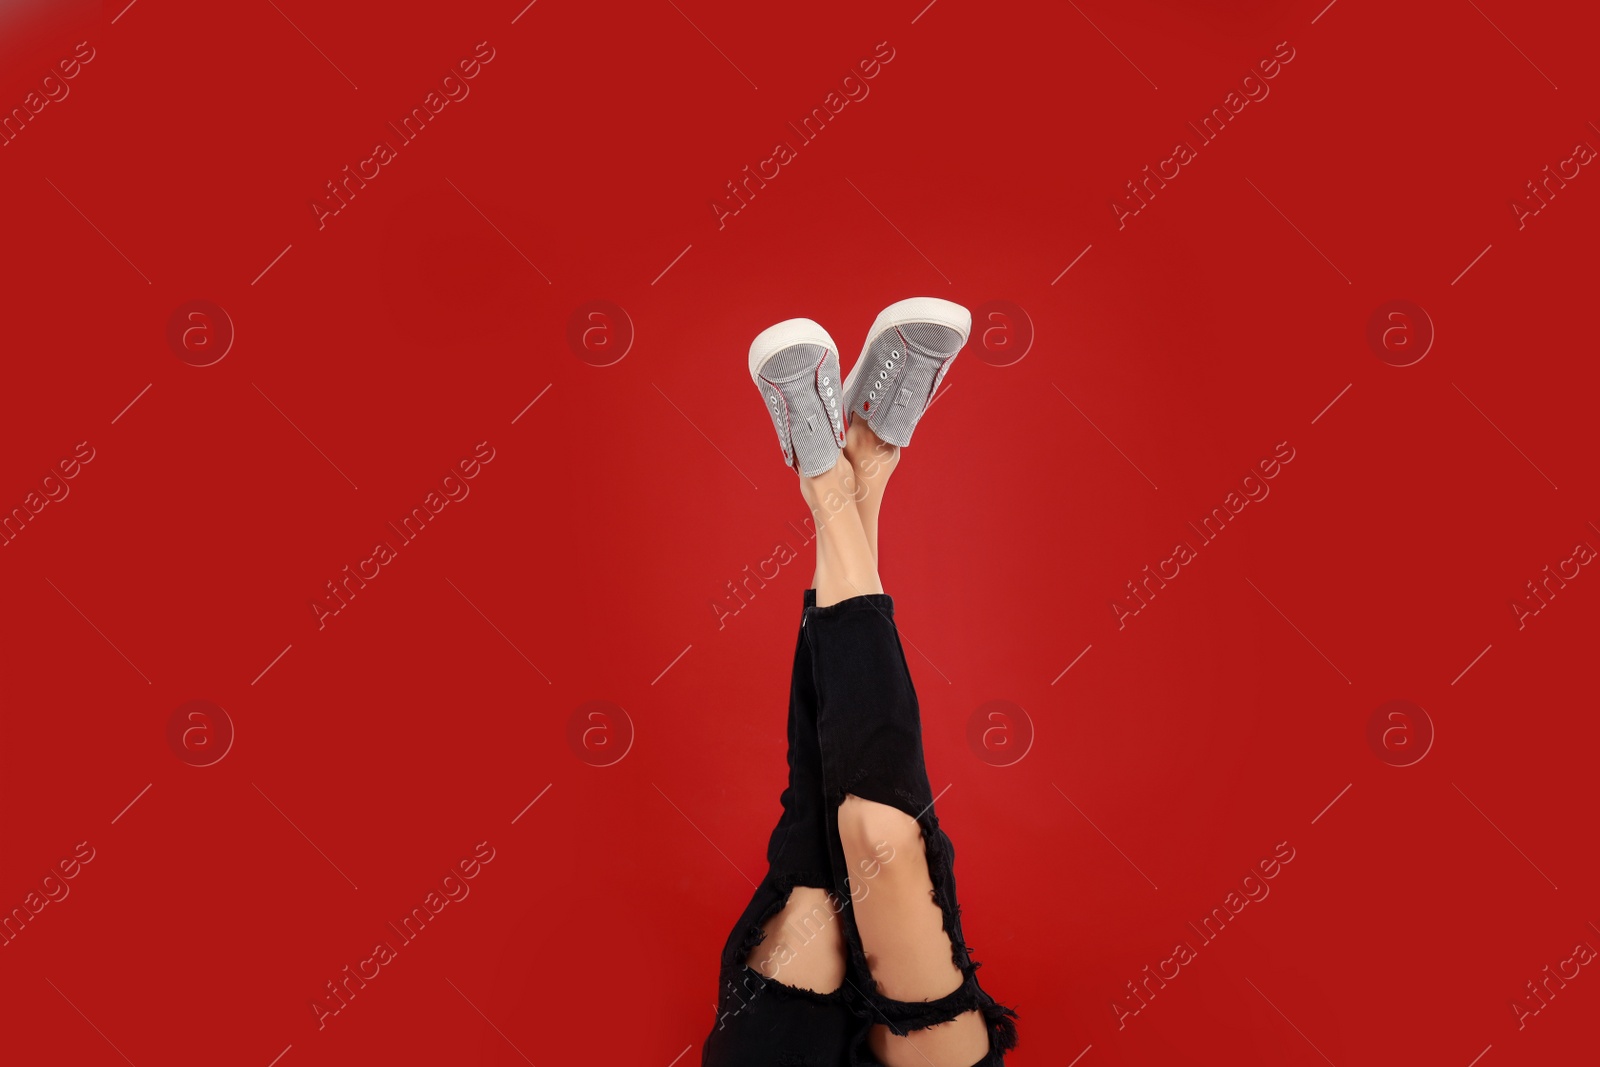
{"points": [[795, 366], [908, 351], [909, 348]]}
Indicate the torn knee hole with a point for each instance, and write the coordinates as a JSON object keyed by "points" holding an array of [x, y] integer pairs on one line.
{"points": [[876, 829], [800, 942]]}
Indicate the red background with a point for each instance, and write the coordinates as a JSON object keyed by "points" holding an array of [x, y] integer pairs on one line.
{"points": [[372, 354]]}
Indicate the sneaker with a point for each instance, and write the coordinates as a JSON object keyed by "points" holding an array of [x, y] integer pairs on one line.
{"points": [[795, 365], [908, 351]]}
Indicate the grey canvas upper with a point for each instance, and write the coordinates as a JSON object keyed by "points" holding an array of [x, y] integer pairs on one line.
{"points": [[899, 370], [801, 387]]}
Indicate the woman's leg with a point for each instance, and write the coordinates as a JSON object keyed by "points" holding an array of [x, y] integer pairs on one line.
{"points": [[802, 944], [911, 949], [872, 460], [781, 978], [890, 857], [845, 563]]}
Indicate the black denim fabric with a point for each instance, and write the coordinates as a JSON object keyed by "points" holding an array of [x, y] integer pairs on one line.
{"points": [[854, 728]]}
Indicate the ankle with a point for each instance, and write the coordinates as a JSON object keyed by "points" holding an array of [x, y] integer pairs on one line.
{"points": [[869, 454], [834, 490]]}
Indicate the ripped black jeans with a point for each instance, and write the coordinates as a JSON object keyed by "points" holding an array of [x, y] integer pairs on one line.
{"points": [[854, 728]]}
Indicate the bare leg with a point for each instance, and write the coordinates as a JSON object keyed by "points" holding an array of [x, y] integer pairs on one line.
{"points": [[845, 564], [873, 460]]}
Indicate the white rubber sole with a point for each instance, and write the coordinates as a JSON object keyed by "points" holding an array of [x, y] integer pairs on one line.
{"points": [[917, 309], [786, 334]]}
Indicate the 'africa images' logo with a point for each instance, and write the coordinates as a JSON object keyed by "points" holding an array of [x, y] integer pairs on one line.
{"points": [[852, 89]]}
